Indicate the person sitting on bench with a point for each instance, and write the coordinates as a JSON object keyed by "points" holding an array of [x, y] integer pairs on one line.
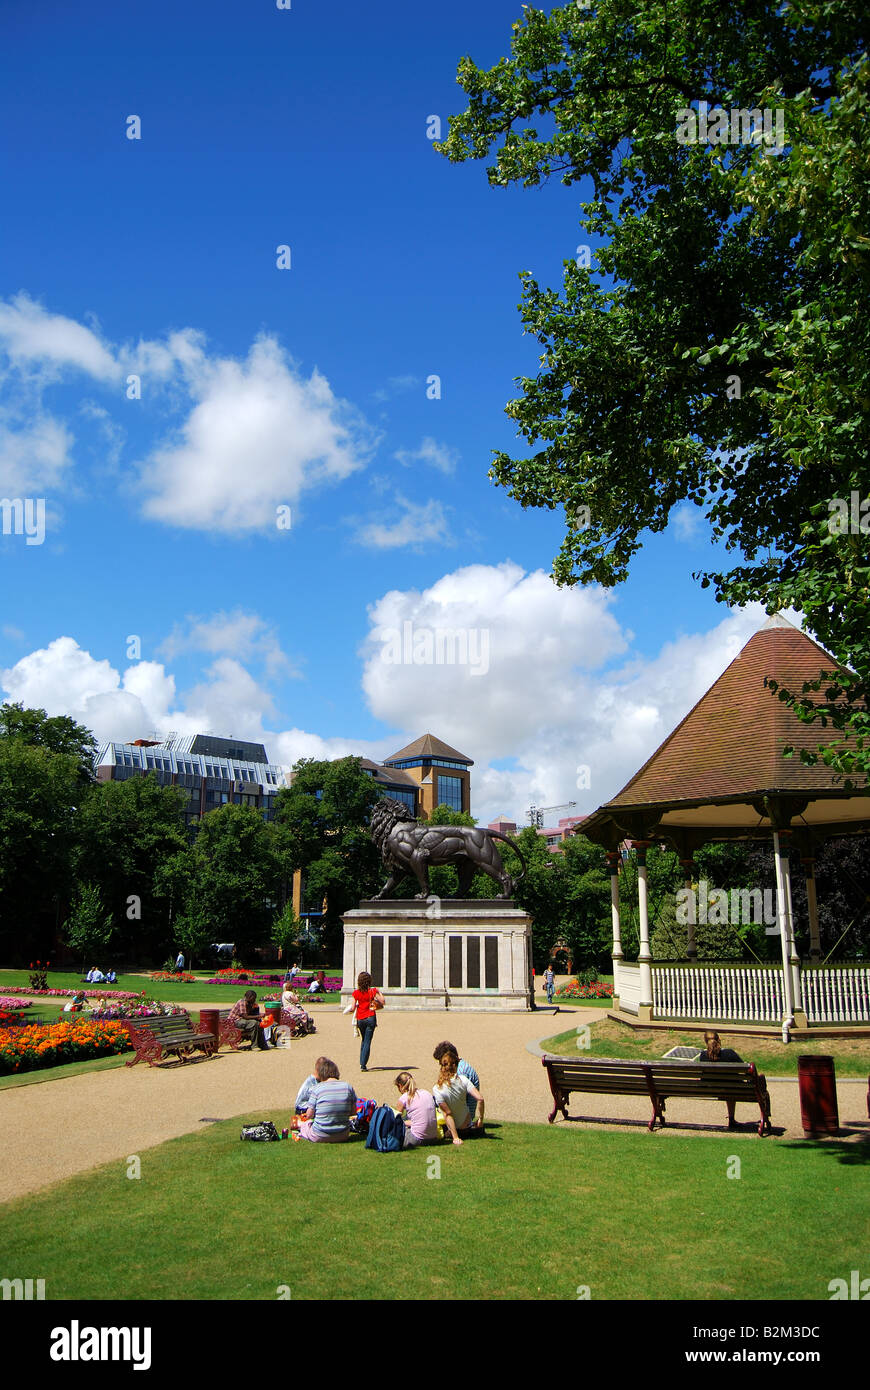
{"points": [[245, 1014], [715, 1052], [293, 1009]]}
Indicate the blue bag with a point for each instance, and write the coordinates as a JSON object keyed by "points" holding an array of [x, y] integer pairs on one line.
{"points": [[386, 1131]]}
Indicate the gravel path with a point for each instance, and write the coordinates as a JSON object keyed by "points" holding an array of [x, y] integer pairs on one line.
{"points": [[57, 1128]]}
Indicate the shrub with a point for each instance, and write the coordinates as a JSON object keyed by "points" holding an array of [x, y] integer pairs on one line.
{"points": [[39, 975]]}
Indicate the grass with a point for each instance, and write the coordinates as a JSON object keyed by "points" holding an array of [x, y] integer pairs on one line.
{"points": [[170, 992], [526, 1212], [32, 1078], [613, 1039]]}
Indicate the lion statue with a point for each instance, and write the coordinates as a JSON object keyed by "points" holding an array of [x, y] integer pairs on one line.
{"points": [[407, 847]]}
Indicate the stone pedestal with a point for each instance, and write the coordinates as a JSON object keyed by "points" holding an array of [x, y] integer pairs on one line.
{"points": [[447, 953]]}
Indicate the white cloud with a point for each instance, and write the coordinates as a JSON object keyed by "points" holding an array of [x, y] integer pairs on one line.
{"points": [[439, 456], [258, 436], [34, 457], [689, 523], [416, 525], [543, 699], [33, 336], [63, 678], [395, 385], [237, 633], [560, 688]]}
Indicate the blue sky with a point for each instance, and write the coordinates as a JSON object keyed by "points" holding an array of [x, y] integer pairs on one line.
{"points": [[303, 387]]}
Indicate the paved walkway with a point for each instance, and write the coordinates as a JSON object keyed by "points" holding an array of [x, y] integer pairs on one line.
{"points": [[54, 1129]]}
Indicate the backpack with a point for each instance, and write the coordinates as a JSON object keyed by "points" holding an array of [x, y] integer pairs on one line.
{"points": [[386, 1131]]}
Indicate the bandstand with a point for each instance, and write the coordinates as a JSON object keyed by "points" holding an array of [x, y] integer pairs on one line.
{"points": [[721, 775]]}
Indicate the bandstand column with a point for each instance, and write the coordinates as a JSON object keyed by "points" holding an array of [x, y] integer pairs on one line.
{"points": [[644, 1011], [688, 866], [613, 861], [790, 960]]}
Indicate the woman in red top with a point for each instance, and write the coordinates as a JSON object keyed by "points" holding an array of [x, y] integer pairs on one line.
{"points": [[368, 1000]]}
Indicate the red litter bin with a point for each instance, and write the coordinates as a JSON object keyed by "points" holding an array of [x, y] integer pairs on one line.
{"points": [[817, 1086], [209, 1021]]}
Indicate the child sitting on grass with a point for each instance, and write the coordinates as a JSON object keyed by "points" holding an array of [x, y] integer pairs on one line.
{"points": [[451, 1093], [419, 1108]]}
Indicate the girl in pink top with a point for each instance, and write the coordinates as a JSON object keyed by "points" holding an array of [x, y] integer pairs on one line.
{"points": [[419, 1108]]}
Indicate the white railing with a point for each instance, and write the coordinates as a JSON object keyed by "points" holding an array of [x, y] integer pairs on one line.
{"points": [[629, 987], [754, 994], [718, 992], [840, 995]]}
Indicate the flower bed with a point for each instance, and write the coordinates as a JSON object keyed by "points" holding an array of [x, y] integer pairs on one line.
{"points": [[574, 990], [144, 1008], [298, 982], [68, 993], [50, 1045], [174, 977], [13, 1005]]}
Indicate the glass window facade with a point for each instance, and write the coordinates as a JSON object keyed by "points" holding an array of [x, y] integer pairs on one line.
{"points": [[450, 792]]}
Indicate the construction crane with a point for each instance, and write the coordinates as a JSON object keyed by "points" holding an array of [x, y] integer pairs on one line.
{"points": [[537, 813]]}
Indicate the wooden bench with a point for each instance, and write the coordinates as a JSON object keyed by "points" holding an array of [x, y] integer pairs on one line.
{"points": [[659, 1080], [164, 1036]]}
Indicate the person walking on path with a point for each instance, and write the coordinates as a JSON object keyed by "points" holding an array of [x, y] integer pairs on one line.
{"points": [[179, 963], [549, 983], [368, 999]]}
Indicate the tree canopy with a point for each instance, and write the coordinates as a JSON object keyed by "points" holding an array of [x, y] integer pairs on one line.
{"points": [[714, 351]]}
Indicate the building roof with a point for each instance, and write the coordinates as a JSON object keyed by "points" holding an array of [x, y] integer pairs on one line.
{"points": [[427, 746], [728, 748], [390, 776]]}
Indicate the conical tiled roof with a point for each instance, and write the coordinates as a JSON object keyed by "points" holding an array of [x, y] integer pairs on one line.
{"points": [[731, 743], [427, 746]]}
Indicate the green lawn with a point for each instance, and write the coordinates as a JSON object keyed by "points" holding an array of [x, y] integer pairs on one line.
{"points": [[613, 1039], [526, 1212], [32, 1078], [171, 992]]}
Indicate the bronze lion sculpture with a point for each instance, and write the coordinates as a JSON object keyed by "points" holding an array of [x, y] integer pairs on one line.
{"points": [[407, 847]]}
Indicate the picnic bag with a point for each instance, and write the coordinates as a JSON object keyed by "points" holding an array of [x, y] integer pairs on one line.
{"points": [[264, 1132], [386, 1131], [359, 1123]]}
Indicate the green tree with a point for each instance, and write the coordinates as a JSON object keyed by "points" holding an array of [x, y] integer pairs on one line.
{"points": [[40, 792], [89, 927], [714, 354], [286, 931], [58, 734], [321, 827], [229, 880], [126, 831]]}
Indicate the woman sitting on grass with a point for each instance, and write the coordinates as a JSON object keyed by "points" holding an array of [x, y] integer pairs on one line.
{"points": [[419, 1108], [451, 1092], [331, 1104]]}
